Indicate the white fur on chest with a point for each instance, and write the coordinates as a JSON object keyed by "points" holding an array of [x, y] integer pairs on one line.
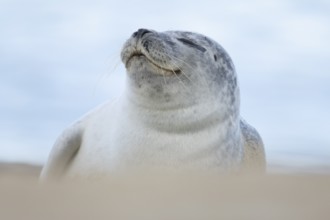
{"points": [[117, 138]]}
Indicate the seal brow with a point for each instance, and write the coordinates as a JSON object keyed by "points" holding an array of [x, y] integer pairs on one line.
{"points": [[191, 44]]}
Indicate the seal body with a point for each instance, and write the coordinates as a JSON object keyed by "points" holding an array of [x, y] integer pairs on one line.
{"points": [[179, 111]]}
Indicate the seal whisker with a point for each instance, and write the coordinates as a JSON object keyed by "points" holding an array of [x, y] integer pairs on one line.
{"points": [[164, 77], [176, 75], [163, 73], [114, 68], [186, 76], [182, 61], [116, 61], [181, 70], [180, 80], [200, 76], [106, 74]]}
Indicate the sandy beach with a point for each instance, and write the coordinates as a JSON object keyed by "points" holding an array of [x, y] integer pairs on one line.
{"points": [[254, 197]]}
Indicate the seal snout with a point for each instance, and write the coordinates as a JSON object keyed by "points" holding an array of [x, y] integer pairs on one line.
{"points": [[135, 51], [151, 50], [140, 33]]}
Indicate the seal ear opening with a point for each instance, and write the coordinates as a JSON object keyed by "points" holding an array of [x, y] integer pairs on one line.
{"points": [[215, 57]]}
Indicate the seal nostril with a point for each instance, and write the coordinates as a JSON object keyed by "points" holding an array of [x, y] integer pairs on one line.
{"points": [[134, 34], [140, 33]]}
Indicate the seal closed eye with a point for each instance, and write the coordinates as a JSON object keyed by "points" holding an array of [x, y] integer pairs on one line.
{"points": [[191, 44]]}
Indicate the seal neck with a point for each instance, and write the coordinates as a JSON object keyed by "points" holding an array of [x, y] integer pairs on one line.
{"points": [[169, 94], [171, 106], [191, 117]]}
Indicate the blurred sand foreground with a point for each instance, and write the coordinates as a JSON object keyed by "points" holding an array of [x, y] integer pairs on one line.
{"points": [[144, 197]]}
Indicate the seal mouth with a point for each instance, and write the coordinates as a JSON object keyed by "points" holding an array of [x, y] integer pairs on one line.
{"points": [[164, 69], [134, 54]]}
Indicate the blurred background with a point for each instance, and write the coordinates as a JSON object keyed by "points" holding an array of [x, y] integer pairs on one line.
{"points": [[59, 59]]}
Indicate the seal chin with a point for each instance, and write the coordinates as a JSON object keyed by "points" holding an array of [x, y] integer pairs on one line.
{"points": [[159, 70]]}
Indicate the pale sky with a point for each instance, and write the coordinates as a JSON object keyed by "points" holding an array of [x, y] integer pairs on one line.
{"points": [[60, 59]]}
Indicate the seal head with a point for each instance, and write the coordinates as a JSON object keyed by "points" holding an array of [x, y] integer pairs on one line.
{"points": [[172, 66]]}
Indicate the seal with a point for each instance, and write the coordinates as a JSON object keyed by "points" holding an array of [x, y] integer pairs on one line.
{"points": [[180, 110]]}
